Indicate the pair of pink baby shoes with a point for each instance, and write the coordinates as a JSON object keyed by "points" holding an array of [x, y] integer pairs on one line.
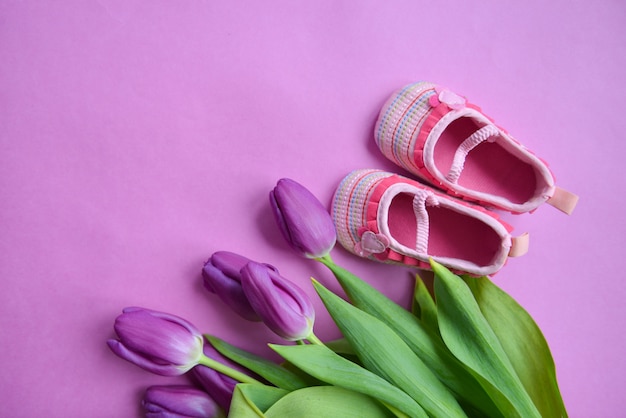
{"points": [[448, 142]]}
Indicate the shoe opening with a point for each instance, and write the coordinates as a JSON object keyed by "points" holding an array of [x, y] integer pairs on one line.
{"points": [[493, 167], [452, 234]]}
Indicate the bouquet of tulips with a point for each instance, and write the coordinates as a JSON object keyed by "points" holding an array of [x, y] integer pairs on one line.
{"points": [[469, 351]]}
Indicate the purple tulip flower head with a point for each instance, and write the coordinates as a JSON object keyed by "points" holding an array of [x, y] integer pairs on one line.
{"points": [[158, 342], [179, 401], [219, 386], [303, 220], [284, 307], [221, 276]]}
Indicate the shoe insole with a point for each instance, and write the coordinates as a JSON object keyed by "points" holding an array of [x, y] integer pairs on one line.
{"points": [[452, 234], [489, 168]]}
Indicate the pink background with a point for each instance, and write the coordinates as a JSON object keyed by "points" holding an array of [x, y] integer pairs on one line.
{"points": [[138, 137]]}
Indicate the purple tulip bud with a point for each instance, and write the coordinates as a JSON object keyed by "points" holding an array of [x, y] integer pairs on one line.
{"points": [[221, 276], [303, 220], [158, 342], [219, 386], [179, 401], [284, 307]]}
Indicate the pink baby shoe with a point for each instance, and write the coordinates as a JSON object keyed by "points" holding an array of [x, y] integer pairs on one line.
{"points": [[390, 218], [443, 139]]}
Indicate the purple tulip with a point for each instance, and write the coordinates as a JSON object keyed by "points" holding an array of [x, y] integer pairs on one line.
{"points": [[219, 386], [221, 276], [284, 307], [303, 220], [158, 342], [179, 401]]}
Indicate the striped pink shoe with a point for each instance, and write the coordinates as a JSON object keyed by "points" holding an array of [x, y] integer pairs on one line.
{"points": [[447, 141], [389, 218]]}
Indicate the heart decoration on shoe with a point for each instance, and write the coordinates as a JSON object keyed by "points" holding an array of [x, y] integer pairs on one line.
{"points": [[453, 100], [371, 243]]}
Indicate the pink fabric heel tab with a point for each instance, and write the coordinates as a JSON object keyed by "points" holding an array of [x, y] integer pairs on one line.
{"points": [[563, 200], [519, 245]]}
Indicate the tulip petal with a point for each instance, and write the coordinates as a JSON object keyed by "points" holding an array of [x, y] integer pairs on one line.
{"points": [[219, 386], [228, 262], [221, 276], [156, 341], [284, 307], [161, 369], [175, 320], [230, 292], [178, 401], [215, 384], [159, 337], [280, 221], [303, 220]]}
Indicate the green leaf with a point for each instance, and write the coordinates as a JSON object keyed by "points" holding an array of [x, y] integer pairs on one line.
{"points": [[424, 342], [424, 306], [327, 402], [340, 346], [524, 344], [383, 352], [322, 363], [273, 373], [251, 400], [469, 337], [310, 380]]}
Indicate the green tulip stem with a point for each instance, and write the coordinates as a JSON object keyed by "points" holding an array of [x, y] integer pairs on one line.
{"points": [[326, 260], [225, 370], [314, 340]]}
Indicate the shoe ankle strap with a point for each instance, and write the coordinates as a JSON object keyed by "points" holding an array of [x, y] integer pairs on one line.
{"points": [[483, 134], [421, 199]]}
